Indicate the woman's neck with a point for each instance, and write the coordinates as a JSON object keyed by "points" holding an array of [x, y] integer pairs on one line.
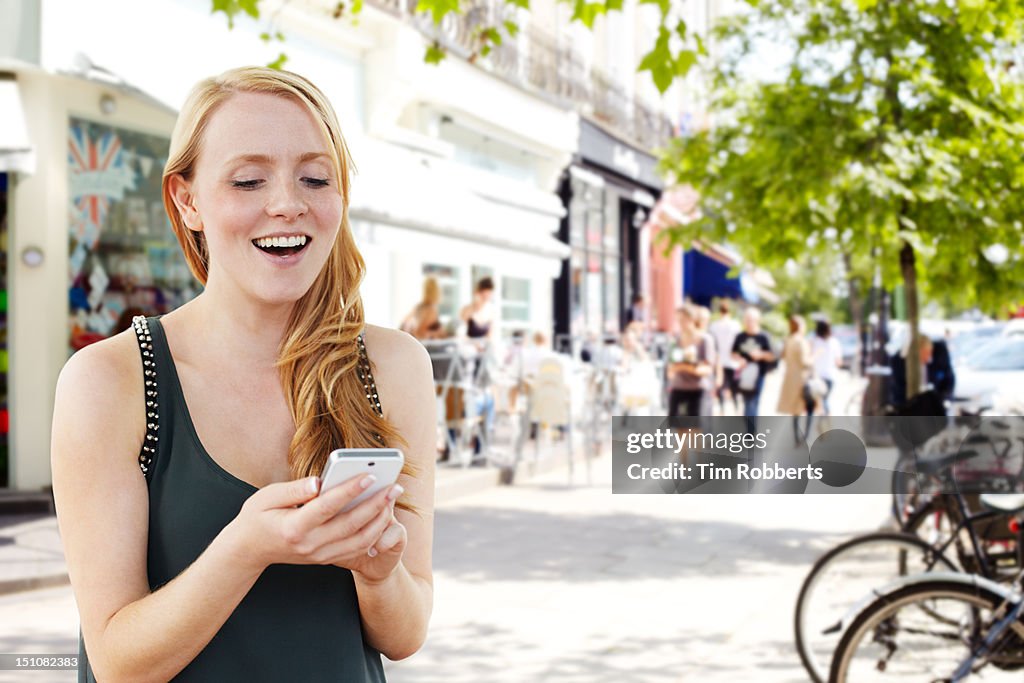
{"points": [[236, 329]]}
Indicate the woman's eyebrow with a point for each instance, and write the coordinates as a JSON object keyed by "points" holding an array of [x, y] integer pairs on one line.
{"points": [[266, 159]]}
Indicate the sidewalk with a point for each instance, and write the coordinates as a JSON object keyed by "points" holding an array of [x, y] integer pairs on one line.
{"points": [[31, 555]]}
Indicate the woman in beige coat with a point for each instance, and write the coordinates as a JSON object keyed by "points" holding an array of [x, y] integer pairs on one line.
{"points": [[796, 354]]}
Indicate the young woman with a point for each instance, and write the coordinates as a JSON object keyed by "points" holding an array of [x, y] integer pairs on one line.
{"points": [[690, 364], [479, 313], [793, 399], [185, 451], [422, 321]]}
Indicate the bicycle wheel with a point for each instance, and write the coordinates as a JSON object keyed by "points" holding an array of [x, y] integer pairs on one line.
{"points": [[926, 632], [845, 575]]}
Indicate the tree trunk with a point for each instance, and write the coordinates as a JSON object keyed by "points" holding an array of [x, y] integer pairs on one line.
{"points": [[908, 268], [853, 292]]}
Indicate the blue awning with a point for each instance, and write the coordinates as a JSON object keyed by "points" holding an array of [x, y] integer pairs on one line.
{"points": [[705, 278]]}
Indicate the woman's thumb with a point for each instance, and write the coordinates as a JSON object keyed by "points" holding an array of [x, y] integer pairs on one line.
{"points": [[290, 493]]}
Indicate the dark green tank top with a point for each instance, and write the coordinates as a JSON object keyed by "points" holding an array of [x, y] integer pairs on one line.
{"points": [[298, 622]]}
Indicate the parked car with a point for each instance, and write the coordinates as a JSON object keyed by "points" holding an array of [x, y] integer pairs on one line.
{"points": [[993, 376], [970, 341]]}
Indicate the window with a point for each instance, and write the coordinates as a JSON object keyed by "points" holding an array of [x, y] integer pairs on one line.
{"points": [[448, 280], [124, 259], [515, 302]]}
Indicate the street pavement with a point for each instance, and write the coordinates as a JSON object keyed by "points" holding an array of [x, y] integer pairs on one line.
{"points": [[551, 581]]}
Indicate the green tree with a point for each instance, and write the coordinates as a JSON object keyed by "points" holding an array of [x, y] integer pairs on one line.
{"points": [[892, 132]]}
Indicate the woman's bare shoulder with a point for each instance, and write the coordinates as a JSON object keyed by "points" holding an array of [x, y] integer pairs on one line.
{"points": [[394, 352], [97, 388], [112, 364]]}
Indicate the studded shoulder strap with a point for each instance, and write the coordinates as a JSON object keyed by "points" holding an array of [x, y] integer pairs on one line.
{"points": [[141, 327], [369, 386]]}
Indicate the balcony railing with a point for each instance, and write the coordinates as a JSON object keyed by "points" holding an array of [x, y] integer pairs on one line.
{"points": [[539, 64]]}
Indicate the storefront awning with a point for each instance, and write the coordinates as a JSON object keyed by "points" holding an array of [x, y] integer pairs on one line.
{"points": [[417, 192], [16, 152]]}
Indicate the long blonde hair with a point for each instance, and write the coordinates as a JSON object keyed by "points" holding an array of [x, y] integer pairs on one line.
{"points": [[319, 354]]}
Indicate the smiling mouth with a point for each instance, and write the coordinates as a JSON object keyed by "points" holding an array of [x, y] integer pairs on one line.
{"points": [[282, 246]]}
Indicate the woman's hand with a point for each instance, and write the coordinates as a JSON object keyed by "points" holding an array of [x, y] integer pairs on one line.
{"points": [[272, 530]]}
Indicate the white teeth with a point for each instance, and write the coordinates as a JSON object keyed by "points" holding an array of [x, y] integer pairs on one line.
{"points": [[290, 241]]}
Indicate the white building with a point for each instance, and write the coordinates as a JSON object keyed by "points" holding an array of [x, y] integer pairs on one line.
{"points": [[462, 167]]}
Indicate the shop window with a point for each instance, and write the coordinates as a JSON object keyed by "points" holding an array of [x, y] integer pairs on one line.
{"points": [[124, 259]]}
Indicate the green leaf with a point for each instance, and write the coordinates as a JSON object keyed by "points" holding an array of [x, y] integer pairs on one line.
{"points": [[586, 12], [525, 4], [684, 61], [279, 36], [512, 28], [265, 37], [664, 5], [490, 35], [864, 5], [485, 50], [434, 54], [614, 5], [681, 30], [438, 9], [279, 62]]}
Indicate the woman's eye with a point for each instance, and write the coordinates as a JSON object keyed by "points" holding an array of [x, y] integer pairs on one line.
{"points": [[246, 184], [317, 182]]}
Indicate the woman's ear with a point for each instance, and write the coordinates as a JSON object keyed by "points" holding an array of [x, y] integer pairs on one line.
{"points": [[184, 201]]}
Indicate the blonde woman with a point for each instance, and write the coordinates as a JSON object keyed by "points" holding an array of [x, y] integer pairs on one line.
{"points": [[798, 361], [422, 321], [185, 451]]}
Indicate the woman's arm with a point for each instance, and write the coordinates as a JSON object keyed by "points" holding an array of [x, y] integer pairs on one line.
{"points": [[396, 610], [102, 508]]}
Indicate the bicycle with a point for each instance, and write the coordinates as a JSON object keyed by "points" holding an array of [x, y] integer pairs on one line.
{"points": [[943, 626], [861, 564]]}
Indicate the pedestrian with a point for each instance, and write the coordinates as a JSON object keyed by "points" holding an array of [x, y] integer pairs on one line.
{"points": [[690, 364], [423, 321], [828, 358], [752, 351], [794, 398], [478, 315], [724, 331], [196, 542], [707, 399], [637, 313]]}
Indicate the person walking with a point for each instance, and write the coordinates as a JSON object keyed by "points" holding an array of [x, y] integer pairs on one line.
{"points": [[828, 358], [794, 398], [724, 331], [691, 360], [752, 351]]}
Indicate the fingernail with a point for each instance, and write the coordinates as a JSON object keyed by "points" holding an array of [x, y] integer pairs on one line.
{"points": [[395, 492], [367, 480], [314, 484], [372, 552]]}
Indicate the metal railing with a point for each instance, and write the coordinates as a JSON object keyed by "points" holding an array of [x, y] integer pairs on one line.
{"points": [[537, 61]]}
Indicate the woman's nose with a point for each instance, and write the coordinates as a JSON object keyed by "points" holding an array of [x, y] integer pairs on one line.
{"points": [[286, 201]]}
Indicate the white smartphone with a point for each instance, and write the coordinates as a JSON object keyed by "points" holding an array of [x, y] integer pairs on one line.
{"points": [[345, 463]]}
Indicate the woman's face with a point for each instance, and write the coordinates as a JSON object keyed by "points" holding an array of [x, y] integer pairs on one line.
{"points": [[266, 197]]}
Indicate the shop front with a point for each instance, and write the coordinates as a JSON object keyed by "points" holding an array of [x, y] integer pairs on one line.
{"points": [[609, 190], [86, 244]]}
